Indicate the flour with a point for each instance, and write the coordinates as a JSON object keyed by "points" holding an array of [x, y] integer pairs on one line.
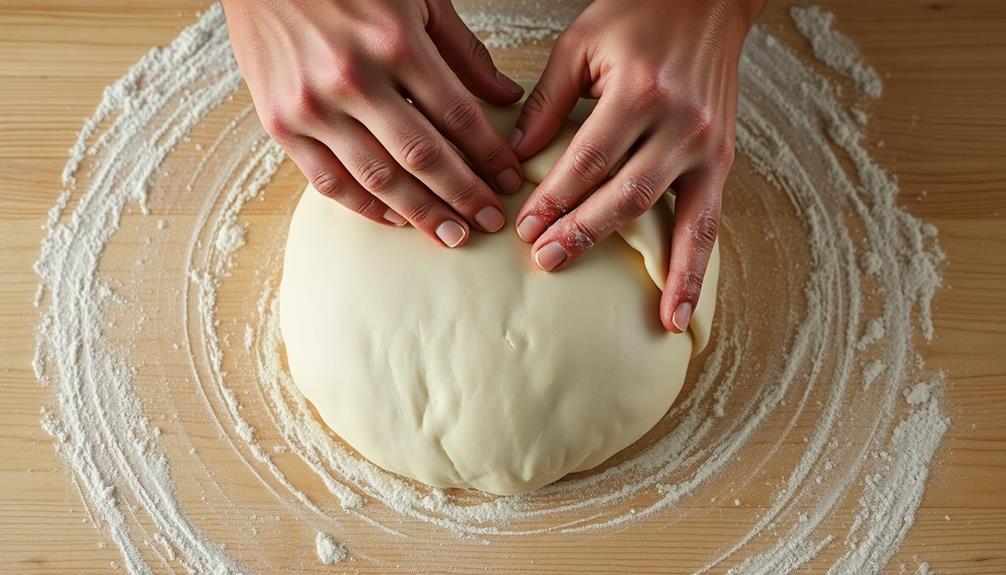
{"points": [[851, 371], [871, 372], [508, 31], [873, 333], [835, 49], [328, 552]]}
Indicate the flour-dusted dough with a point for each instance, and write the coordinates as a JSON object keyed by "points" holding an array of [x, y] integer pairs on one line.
{"points": [[471, 367]]}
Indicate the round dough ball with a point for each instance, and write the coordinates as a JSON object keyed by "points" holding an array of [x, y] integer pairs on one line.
{"points": [[471, 367]]}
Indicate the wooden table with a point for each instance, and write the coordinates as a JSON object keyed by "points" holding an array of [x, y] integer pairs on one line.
{"points": [[942, 119]]}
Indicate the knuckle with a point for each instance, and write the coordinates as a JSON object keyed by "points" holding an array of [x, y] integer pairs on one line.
{"points": [[568, 39], [549, 207], [690, 285], [637, 194], [275, 124], [581, 235], [420, 152], [382, 37], [421, 214], [329, 186], [700, 119], [498, 154], [467, 195], [650, 89], [537, 101], [370, 206], [377, 176], [392, 43], [704, 229], [461, 115], [589, 162], [344, 77], [306, 106]]}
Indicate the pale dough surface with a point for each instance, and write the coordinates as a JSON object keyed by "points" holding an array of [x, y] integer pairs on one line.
{"points": [[471, 367]]}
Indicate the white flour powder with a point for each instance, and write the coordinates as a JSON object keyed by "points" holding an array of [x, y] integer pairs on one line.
{"points": [[835, 49], [328, 552], [841, 380]]}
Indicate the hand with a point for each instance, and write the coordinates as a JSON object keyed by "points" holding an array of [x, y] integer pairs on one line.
{"points": [[330, 80], [664, 73]]}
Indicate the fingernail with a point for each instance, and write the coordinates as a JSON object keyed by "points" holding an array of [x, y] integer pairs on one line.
{"points": [[508, 83], [508, 181], [516, 135], [550, 255], [682, 315], [530, 228], [393, 217], [451, 233], [490, 219]]}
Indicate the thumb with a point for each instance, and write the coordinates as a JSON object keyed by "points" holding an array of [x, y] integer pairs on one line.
{"points": [[552, 99], [469, 57]]}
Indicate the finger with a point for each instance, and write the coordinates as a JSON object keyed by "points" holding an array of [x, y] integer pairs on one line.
{"points": [[417, 146], [552, 98], [696, 221], [327, 175], [443, 99], [378, 173], [638, 185], [598, 146], [468, 57]]}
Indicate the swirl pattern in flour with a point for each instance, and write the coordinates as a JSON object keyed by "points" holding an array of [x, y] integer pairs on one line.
{"points": [[812, 388]]}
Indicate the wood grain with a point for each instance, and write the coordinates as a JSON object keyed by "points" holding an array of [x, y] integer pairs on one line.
{"points": [[942, 121]]}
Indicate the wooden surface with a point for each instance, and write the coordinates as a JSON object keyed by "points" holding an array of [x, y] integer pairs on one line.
{"points": [[942, 120]]}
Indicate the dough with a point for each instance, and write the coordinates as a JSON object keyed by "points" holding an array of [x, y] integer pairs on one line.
{"points": [[471, 367]]}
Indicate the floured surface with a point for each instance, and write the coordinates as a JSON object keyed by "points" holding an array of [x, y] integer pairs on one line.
{"points": [[790, 420]]}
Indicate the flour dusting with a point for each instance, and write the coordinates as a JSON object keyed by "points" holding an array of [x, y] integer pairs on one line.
{"points": [[835, 49], [859, 275], [328, 552]]}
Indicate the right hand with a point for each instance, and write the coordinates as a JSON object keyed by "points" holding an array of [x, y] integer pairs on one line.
{"points": [[330, 80]]}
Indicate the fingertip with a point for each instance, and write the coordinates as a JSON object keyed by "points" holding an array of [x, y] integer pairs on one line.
{"points": [[513, 91], [551, 256], [665, 320], [452, 234], [392, 217], [514, 138], [666, 313], [530, 228], [509, 181], [494, 87], [682, 316], [491, 219]]}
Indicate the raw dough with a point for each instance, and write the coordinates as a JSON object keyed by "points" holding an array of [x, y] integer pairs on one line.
{"points": [[471, 367]]}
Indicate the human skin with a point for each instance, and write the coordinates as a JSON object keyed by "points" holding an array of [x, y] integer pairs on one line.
{"points": [[330, 82], [664, 73]]}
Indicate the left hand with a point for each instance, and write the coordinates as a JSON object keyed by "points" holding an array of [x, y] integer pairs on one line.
{"points": [[664, 73]]}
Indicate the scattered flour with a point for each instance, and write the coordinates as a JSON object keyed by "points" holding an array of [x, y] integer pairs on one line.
{"points": [[874, 332], [790, 121], [508, 31], [835, 49], [328, 552], [871, 372], [230, 238], [920, 392], [871, 263]]}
